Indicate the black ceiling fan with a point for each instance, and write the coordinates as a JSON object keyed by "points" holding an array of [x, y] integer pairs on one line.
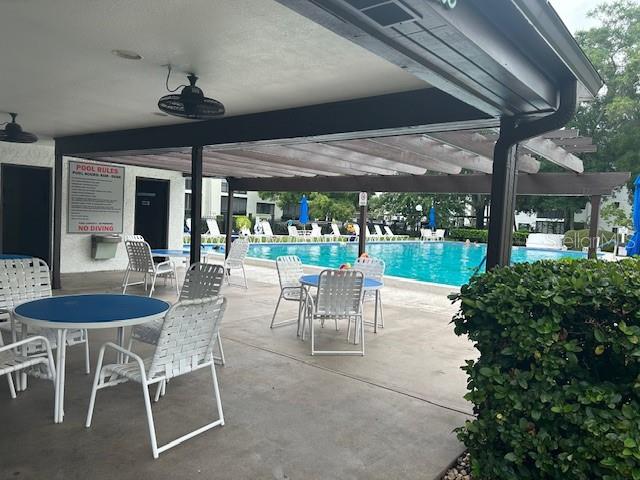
{"points": [[14, 133], [190, 102]]}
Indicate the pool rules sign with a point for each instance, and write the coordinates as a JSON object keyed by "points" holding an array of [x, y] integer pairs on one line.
{"points": [[96, 198]]}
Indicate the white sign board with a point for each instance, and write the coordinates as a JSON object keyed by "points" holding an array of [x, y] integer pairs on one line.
{"points": [[96, 198], [362, 199]]}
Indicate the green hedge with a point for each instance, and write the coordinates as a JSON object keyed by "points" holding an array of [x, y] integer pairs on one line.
{"points": [[481, 236], [556, 389]]}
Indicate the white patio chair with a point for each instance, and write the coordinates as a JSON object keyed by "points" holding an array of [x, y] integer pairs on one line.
{"points": [[13, 361], [141, 261], [202, 280], [235, 260], [133, 236], [439, 235], [389, 233], [335, 231], [266, 229], [372, 268], [339, 297], [187, 338], [293, 231], [289, 273], [426, 235], [316, 231], [27, 279], [214, 229]]}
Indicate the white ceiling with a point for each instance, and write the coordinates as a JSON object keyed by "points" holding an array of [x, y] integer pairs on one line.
{"points": [[58, 73]]}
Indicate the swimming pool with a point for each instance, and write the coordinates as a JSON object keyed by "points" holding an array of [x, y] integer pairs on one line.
{"points": [[449, 263]]}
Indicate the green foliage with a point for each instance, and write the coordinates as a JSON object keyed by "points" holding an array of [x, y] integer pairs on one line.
{"points": [[481, 236], [556, 390], [242, 222], [404, 204], [579, 239], [615, 216], [322, 206]]}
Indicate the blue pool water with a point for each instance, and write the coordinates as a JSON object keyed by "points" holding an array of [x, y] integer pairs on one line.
{"points": [[449, 263]]}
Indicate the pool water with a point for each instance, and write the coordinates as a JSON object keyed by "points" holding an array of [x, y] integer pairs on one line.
{"points": [[449, 263]]}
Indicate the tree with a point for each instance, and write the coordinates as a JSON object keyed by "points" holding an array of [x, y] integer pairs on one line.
{"points": [[613, 118], [322, 206], [448, 207], [616, 216]]}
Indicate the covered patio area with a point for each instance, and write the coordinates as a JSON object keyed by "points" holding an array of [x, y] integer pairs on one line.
{"points": [[389, 414]]}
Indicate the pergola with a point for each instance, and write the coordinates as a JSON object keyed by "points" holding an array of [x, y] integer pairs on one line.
{"points": [[503, 78]]}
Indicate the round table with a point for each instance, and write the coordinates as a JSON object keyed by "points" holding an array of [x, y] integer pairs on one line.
{"points": [[369, 284], [88, 311]]}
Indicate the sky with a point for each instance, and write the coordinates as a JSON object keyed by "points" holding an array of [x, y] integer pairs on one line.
{"points": [[574, 13]]}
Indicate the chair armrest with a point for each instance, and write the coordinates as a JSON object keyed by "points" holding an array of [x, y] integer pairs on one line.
{"points": [[19, 343], [166, 262]]}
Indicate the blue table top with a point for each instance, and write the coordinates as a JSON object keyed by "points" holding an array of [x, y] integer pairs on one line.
{"points": [[93, 308], [160, 252], [13, 256], [312, 281]]}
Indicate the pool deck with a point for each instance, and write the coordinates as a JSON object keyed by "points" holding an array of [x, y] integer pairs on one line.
{"points": [[288, 415]]}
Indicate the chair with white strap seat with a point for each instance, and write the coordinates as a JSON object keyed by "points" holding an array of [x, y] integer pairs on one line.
{"points": [[289, 273], [187, 339], [202, 280], [13, 360], [372, 268], [339, 297], [27, 279], [141, 261], [235, 260]]}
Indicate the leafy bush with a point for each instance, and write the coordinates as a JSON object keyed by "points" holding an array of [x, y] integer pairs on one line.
{"points": [[481, 236], [556, 389], [242, 222]]}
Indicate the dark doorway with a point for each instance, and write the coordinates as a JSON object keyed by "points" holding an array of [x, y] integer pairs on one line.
{"points": [[152, 211], [26, 210]]}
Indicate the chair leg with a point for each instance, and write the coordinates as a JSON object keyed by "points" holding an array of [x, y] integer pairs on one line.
{"points": [[175, 280], [12, 388], [222, 360], [380, 306], [125, 280], [216, 391], [152, 430], [87, 361], [244, 275], [158, 392], [94, 389], [153, 284], [273, 319]]}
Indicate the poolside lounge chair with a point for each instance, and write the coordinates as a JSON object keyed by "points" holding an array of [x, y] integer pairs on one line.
{"points": [[389, 233], [439, 234], [378, 230], [426, 235], [316, 231], [266, 229], [356, 229], [545, 241], [214, 229], [335, 231], [187, 338]]}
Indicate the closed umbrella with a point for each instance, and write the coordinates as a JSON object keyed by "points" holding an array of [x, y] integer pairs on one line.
{"points": [[432, 218], [304, 210], [633, 246]]}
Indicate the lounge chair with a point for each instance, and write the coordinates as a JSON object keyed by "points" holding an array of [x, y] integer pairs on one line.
{"points": [[335, 231], [266, 229], [316, 231], [439, 235], [388, 233], [379, 232], [214, 229], [426, 235], [545, 241]]}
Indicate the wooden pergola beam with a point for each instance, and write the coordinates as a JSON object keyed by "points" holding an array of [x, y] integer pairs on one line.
{"points": [[549, 150], [544, 184]]}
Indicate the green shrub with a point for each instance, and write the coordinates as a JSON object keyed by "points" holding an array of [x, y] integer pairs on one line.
{"points": [[556, 389], [481, 236], [242, 222]]}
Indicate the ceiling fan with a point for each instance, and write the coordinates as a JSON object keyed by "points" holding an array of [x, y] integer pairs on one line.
{"points": [[190, 102], [13, 132]]}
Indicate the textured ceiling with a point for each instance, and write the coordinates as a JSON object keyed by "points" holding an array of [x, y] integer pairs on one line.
{"points": [[253, 55]]}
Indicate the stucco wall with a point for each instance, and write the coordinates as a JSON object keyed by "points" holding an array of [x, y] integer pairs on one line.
{"points": [[76, 247]]}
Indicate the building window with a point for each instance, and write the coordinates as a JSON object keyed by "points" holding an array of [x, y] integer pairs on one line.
{"points": [[187, 205], [265, 208], [550, 227], [239, 206], [187, 183], [224, 188]]}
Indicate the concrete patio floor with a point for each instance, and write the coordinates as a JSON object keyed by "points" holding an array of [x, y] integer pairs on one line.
{"points": [[288, 415]]}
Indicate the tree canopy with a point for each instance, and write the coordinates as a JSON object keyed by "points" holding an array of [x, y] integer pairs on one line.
{"points": [[322, 206]]}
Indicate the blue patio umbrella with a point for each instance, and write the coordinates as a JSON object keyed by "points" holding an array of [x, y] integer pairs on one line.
{"points": [[633, 245], [304, 210], [432, 218]]}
